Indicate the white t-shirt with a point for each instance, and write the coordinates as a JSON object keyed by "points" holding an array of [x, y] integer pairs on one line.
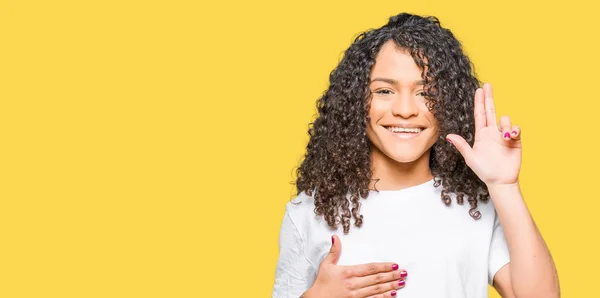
{"points": [[445, 251]]}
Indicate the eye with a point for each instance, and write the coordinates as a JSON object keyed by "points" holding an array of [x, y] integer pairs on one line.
{"points": [[384, 91], [421, 93]]}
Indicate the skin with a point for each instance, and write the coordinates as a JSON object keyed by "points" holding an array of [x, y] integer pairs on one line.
{"points": [[398, 100], [374, 280], [496, 159], [399, 163]]}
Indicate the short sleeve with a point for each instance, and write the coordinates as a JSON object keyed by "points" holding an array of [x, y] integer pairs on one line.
{"points": [[498, 250], [294, 272]]}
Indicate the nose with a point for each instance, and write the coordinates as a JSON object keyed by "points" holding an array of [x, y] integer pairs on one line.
{"points": [[405, 106]]}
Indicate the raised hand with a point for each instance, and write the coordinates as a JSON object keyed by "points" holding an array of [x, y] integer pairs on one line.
{"points": [[374, 280], [496, 153]]}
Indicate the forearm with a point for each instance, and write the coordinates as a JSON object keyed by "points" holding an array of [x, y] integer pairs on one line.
{"points": [[532, 269]]}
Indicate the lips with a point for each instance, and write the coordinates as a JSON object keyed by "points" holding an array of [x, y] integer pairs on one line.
{"points": [[405, 132], [404, 129]]}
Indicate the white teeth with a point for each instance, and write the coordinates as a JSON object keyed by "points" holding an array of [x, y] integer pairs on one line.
{"points": [[400, 129]]}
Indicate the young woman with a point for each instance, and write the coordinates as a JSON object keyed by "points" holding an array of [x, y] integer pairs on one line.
{"points": [[408, 167]]}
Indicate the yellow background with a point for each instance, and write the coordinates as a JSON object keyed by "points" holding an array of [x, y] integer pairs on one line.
{"points": [[147, 147]]}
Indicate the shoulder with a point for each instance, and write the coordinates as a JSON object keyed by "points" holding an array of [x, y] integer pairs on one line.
{"points": [[300, 207], [302, 200], [301, 212]]}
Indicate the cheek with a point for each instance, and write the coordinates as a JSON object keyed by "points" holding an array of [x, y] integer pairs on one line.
{"points": [[374, 116], [377, 110], [428, 114], [433, 122]]}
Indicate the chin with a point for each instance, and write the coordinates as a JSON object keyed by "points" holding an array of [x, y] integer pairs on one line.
{"points": [[404, 158], [405, 153]]}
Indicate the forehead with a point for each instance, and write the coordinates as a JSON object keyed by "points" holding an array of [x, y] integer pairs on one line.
{"points": [[395, 63]]}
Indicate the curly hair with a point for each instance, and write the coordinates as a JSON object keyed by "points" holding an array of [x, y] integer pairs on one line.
{"points": [[336, 169]]}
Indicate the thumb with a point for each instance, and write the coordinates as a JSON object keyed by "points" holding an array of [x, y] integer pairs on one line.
{"points": [[335, 251], [461, 145]]}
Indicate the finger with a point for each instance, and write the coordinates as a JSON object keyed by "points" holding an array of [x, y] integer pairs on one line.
{"points": [[461, 145], [515, 133], [505, 127], [480, 120], [334, 252], [370, 280], [370, 269], [388, 294], [490, 110], [382, 290]]}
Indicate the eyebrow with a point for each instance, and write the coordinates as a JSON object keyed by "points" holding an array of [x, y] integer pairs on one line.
{"points": [[394, 82]]}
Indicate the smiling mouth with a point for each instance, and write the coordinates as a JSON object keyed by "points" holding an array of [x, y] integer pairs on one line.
{"points": [[394, 129], [405, 133]]}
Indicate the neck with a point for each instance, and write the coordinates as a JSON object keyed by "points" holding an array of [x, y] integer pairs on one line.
{"points": [[389, 174]]}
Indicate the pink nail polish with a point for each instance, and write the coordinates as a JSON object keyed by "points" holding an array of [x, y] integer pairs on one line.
{"points": [[514, 133], [393, 293], [332, 240], [401, 283], [449, 141], [506, 135], [403, 273], [395, 267]]}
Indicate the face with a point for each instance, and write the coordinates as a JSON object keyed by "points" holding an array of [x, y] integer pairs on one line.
{"points": [[401, 127]]}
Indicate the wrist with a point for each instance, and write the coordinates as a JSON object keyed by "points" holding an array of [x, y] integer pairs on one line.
{"points": [[502, 194], [501, 187]]}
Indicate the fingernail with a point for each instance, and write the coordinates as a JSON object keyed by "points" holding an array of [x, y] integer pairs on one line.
{"points": [[403, 273], [393, 293], [332, 240], [506, 135], [514, 133], [449, 141], [395, 267], [401, 283]]}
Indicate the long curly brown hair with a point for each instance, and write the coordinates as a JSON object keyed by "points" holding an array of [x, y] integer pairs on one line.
{"points": [[336, 169]]}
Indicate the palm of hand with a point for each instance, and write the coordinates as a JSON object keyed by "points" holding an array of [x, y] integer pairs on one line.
{"points": [[496, 153]]}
